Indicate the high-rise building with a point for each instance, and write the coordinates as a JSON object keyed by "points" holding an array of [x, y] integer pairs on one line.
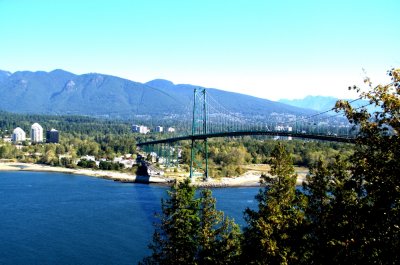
{"points": [[140, 129], [36, 133], [52, 136], [18, 135]]}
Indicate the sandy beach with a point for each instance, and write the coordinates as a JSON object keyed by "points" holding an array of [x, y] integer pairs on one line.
{"points": [[250, 179], [111, 175]]}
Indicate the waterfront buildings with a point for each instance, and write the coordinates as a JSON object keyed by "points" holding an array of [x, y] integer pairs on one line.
{"points": [[144, 129], [18, 135], [36, 133]]}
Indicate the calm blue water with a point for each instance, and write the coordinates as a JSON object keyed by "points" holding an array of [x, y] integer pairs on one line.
{"points": [[54, 218]]}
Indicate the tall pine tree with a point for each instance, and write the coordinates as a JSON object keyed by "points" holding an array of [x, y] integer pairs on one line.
{"points": [[175, 236], [317, 188], [192, 231], [272, 235], [219, 236]]}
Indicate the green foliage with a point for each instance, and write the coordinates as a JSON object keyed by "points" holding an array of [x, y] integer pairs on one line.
{"points": [[273, 232], [174, 239], [8, 151], [78, 125], [227, 157], [107, 165], [87, 164], [192, 231], [353, 210], [375, 168], [219, 237], [332, 214]]}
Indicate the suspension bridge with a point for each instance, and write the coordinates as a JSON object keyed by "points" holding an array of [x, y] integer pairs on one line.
{"points": [[211, 120]]}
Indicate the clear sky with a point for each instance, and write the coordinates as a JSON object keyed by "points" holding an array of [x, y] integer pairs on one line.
{"points": [[270, 49]]}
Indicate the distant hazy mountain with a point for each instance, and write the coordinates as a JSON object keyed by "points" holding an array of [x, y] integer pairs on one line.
{"points": [[61, 92], [318, 103], [322, 103], [4, 75], [234, 102]]}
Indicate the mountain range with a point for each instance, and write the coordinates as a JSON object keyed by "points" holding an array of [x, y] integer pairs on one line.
{"points": [[62, 92], [318, 103], [323, 103]]}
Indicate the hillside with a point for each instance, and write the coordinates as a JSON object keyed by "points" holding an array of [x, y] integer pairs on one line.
{"points": [[61, 92]]}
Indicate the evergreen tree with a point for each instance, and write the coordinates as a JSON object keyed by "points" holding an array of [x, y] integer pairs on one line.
{"points": [[273, 233], [317, 188], [192, 231], [219, 237], [175, 237], [375, 168], [343, 222]]}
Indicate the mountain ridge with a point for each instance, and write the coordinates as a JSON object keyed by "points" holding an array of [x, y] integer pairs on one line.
{"points": [[318, 103], [324, 103], [95, 94]]}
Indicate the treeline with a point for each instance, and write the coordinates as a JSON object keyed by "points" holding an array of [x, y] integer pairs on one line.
{"points": [[348, 211], [81, 125], [227, 157], [72, 146]]}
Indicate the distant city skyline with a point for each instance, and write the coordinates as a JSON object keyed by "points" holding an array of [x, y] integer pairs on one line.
{"points": [[268, 49]]}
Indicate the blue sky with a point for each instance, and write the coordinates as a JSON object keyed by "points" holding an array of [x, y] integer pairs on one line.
{"points": [[269, 49]]}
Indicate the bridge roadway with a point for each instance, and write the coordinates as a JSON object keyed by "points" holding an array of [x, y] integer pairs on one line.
{"points": [[321, 137]]}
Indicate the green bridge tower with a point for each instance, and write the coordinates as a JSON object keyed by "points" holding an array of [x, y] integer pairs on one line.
{"points": [[199, 147]]}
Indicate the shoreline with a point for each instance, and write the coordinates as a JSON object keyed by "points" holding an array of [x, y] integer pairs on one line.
{"points": [[249, 179], [110, 175]]}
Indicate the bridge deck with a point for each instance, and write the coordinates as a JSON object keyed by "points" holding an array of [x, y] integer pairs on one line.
{"points": [[331, 138]]}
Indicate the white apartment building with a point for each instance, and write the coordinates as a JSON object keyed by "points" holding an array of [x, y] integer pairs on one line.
{"points": [[36, 133], [159, 129], [18, 135], [140, 129]]}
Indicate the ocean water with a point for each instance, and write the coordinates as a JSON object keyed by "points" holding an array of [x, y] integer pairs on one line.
{"points": [[55, 218]]}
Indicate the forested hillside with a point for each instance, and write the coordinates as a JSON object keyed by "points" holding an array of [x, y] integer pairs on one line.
{"points": [[60, 92]]}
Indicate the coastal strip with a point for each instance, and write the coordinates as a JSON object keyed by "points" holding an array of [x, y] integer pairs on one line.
{"points": [[250, 179], [111, 175]]}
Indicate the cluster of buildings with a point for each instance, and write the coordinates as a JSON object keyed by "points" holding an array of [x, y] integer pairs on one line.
{"points": [[140, 129], [281, 128], [144, 129], [128, 160], [19, 135]]}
